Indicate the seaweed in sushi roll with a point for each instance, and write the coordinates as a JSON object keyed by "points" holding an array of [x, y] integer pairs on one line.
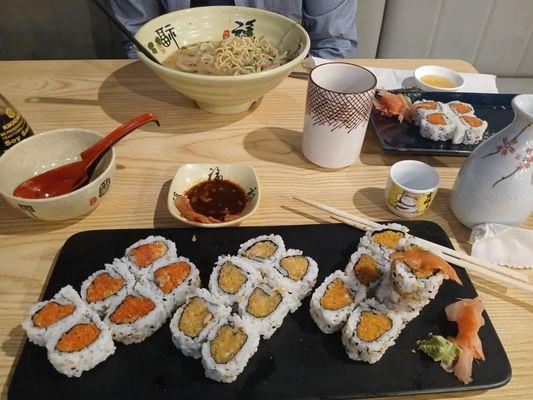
{"points": [[386, 239], [367, 267], [263, 250]]}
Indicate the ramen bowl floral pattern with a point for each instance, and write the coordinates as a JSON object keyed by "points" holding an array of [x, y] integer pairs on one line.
{"points": [[189, 175]]}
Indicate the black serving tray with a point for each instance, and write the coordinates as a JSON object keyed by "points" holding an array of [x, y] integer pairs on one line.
{"points": [[298, 362], [405, 137]]}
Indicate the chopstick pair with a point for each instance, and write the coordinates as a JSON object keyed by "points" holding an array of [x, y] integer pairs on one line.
{"points": [[493, 271]]}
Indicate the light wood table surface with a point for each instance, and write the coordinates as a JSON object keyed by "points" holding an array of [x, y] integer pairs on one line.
{"points": [[100, 95]]}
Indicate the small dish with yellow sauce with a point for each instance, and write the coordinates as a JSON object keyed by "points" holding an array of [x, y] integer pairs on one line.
{"points": [[438, 79]]}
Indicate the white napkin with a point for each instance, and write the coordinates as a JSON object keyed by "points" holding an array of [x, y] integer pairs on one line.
{"points": [[397, 78], [502, 244]]}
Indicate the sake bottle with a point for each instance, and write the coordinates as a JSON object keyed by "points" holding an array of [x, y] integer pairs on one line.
{"points": [[13, 126]]}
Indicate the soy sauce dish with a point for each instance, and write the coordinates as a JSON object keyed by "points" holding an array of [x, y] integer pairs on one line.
{"points": [[213, 195]]}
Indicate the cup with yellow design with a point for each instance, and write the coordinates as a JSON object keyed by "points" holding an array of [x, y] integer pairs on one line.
{"points": [[411, 188]]}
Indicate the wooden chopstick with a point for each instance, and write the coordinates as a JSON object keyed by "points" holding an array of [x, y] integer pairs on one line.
{"points": [[464, 259]]}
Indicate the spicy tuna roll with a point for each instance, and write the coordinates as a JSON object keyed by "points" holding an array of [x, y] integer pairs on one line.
{"points": [[438, 126], [263, 250], [228, 348], [232, 278], [47, 317], [266, 307], [469, 130], [153, 251], [422, 108], [460, 108], [386, 239], [295, 273], [137, 316], [333, 301], [367, 267], [193, 321], [80, 345], [172, 281], [370, 331], [104, 287]]}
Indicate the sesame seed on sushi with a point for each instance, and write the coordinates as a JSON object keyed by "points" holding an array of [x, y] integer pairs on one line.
{"points": [[263, 250], [172, 281], [228, 348], [333, 301], [439, 126], [422, 108], [193, 321], [137, 316], [461, 108], [150, 252], [80, 345], [472, 128], [367, 267], [386, 239], [47, 317]]}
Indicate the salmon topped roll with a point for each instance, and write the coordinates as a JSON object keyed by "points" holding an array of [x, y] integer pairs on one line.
{"points": [[367, 267], [80, 345], [228, 348], [194, 320], [46, 317], [334, 300], [263, 250], [232, 278], [150, 252], [370, 331], [386, 239], [104, 287], [172, 281], [136, 316]]}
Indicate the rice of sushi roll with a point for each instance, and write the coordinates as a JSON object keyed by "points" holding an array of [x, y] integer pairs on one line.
{"points": [[295, 273], [104, 287], [263, 250], [386, 239], [137, 316], [367, 267], [80, 345], [232, 278], [438, 126], [194, 320], [266, 307], [48, 317], [153, 251], [422, 108], [228, 348], [370, 331], [172, 281], [469, 130], [334, 300], [460, 108]]}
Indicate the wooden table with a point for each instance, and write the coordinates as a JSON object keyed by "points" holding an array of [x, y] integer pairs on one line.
{"points": [[100, 95]]}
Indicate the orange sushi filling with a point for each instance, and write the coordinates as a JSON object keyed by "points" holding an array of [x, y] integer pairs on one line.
{"points": [[366, 269], [146, 254], [51, 313], [78, 338], [372, 326], [437, 119], [472, 121], [460, 107], [131, 309], [429, 105], [103, 286], [171, 276], [388, 238], [337, 296]]}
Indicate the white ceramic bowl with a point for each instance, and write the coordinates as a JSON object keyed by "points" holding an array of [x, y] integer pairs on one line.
{"points": [[221, 94], [46, 151], [189, 175], [440, 71]]}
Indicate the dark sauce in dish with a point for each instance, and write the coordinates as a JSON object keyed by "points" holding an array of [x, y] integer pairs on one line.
{"points": [[217, 198]]}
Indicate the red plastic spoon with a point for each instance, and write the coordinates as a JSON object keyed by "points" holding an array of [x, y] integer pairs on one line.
{"points": [[69, 177]]}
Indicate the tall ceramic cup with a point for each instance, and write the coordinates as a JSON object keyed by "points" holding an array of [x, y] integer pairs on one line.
{"points": [[339, 100]]}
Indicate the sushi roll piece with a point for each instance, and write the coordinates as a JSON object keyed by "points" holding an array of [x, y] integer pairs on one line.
{"points": [[232, 279], [460, 108], [370, 331], [137, 316], [367, 267], [228, 348], [263, 250], [438, 126], [266, 307], [295, 273], [153, 252], [80, 345], [48, 317], [470, 129], [386, 239], [422, 108], [194, 320], [104, 287], [334, 300], [173, 281]]}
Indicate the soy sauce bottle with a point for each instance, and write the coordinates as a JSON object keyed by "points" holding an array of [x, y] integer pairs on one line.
{"points": [[13, 126]]}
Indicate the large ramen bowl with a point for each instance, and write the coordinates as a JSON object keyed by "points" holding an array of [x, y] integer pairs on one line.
{"points": [[222, 94]]}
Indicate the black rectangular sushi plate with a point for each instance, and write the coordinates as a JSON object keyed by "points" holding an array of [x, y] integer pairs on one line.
{"points": [[298, 362], [405, 137]]}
